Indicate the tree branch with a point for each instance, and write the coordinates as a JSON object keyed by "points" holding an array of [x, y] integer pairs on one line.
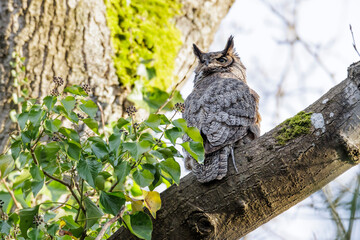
{"points": [[271, 178]]}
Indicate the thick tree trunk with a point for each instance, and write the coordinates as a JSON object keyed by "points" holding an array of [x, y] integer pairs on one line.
{"points": [[69, 38], [198, 24], [57, 38], [271, 177]]}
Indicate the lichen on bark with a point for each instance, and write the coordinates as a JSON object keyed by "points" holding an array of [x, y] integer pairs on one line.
{"points": [[293, 127]]}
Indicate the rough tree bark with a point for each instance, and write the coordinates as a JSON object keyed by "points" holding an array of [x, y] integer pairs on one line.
{"points": [[69, 38], [271, 177]]}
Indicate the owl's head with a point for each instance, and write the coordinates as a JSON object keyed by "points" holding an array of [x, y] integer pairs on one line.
{"points": [[225, 61]]}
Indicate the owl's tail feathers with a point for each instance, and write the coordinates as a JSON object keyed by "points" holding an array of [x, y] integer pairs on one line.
{"points": [[214, 167]]}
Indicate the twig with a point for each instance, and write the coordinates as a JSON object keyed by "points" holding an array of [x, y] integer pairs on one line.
{"points": [[11, 194], [58, 180], [354, 44], [108, 224], [175, 87]]}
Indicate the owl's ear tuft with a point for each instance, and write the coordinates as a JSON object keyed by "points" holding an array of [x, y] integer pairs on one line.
{"points": [[197, 52], [229, 48]]}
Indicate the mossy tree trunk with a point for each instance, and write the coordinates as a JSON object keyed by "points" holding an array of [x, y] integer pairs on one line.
{"points": [[69, 38], [272, 177]]}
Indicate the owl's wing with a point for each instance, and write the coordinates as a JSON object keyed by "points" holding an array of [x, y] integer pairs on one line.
{"points": [[224, 112]]}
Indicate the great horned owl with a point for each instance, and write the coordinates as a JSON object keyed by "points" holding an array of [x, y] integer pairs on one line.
{"points": [[223, 108]]}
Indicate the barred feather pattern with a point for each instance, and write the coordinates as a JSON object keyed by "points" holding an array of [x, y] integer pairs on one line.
{"points": [[223, 107]]}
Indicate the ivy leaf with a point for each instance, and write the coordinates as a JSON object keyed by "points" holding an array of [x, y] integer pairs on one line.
{"points": [[173, 134], [36, 234], [68, 103], [180, 123], [173, 168], [7, 164], [194, 134], [112, 202], [88, 170], [93, 213], [143, 178], [49, 102], [37, 181], [26, 219], [53, 125], [141, 225], [69, 221], [122, 170], [47, 153], [152, 202], [122, 122], [35, 116], [73, 150], [196, 150], [15, 149], [52, 229], [153, 122], [89, 107], [136, 148], [76, 90], [22, 119], [114, 141], [92, 124], [99, 149], [5, 227], [70, 134]]}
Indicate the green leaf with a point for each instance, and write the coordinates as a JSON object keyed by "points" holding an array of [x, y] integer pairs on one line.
{"points": [[47, 153], [73, 150], [93, 213], [196, 150], [112, 202], [99, 149], [114, 141], [180, 123], [92, 124], [70, 223], [141, 225], [15, 149], [147, 137], [143, 178], [173, 168], [35, 116], [76, 90], [194, 134], [52, 229], [36, 234], [88, 170], [37, 181], [136, 148], [173, 134], [22, 119], [122, 170], [68, 103], [7, 164], [26, 219], [50, 102], [53, 125], [70, 134], [89, 107], [122, 122], [153, 122], [5, 227]]}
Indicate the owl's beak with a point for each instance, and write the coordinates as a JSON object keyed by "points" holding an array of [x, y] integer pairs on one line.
{"points": [[207, 62]]}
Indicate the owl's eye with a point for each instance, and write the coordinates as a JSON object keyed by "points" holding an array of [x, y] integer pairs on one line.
{"points": [[221, 59]]}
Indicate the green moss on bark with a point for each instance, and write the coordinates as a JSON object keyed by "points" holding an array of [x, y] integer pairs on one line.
{"points": [[293, 127], [145, 40]]}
